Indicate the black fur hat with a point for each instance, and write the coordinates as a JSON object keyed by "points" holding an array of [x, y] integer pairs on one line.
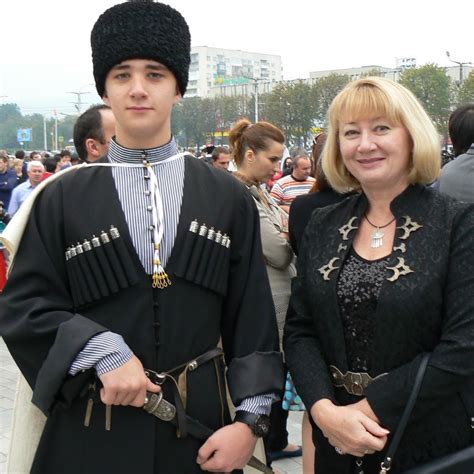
{"points": [[141, 30]]}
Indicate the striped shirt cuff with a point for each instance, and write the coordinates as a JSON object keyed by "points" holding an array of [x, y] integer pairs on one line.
{"points": [[105, 352], [258, 405]]}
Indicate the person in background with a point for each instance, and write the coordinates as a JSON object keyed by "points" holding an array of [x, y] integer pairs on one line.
{"points": [[287, 167], [93, 131], [8, 179], [20, 154], [457, 177], [50, 166], [384, 277], [20, 170], [4, 219], [299, 182], [257, 151], [220, 158], [320, 195], [35, 170], [35, 156]]}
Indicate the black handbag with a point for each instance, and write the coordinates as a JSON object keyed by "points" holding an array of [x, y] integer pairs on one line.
{"points": [[460, 462]]}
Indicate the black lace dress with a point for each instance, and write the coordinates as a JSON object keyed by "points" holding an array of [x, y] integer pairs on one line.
{"points": [[358, 289]]}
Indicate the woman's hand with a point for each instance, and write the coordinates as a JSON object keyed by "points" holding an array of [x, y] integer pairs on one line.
{"points": [[348, 428]]}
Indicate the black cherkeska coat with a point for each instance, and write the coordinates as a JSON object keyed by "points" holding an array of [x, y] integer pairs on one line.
{"points": [[426, 304], [45, 320]]}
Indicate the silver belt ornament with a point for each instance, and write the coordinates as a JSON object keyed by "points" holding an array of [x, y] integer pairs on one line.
{"points": [[354, 382]]}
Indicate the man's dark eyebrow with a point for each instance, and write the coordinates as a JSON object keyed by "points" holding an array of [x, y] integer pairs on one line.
{"points": [[121, 67], [152, 67], [156, 67]]}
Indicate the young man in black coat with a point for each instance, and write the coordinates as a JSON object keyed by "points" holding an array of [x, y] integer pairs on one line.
{"points": [[147, 277]]}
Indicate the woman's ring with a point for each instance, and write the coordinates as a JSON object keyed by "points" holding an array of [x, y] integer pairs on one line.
{"points": [[339, 450]]}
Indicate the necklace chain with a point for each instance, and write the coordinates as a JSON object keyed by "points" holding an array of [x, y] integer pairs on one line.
{"points": [[378, 226], [377, 234]]}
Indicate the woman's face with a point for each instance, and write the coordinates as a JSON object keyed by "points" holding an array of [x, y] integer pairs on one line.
{"points": [[376, 152], [263, 164], [18, 167]]}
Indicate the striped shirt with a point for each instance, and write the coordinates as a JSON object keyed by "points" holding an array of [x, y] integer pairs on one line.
{"points": [[108, 351], [286, 189], [135, 196]]}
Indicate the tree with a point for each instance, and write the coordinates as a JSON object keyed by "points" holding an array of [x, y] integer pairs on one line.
{"points": [[10, 119], [466, 91], [191, 121], [279, 108], [209, 117], [304, 111], [9, 111], [227, 113], [324, 90], [431, 85], [374, 72]]}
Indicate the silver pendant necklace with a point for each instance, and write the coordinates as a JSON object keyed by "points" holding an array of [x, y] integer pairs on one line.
{"points": [[377, 234]]}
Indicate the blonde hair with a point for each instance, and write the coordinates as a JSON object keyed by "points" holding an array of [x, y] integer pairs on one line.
{"points": [[244, 136], [377, 96]]}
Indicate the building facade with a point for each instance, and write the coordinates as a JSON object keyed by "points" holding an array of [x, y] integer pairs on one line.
{"points": [[214, 67]]}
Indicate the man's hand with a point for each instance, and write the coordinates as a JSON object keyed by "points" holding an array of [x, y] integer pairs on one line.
{"points": [[126, 385], [227, 449], [349, 428]]}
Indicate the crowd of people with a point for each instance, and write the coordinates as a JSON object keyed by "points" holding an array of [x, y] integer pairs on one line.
{"points": [[191, 302]]}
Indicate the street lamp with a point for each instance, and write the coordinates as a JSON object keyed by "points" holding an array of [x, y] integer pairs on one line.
{"points": [[79, 94], [255, 83], [461, 65]]}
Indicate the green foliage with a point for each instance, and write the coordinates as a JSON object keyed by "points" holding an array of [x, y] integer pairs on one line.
{"points": [[466, 91], [324, 91], [431, 85], [290, 107], [11, 120], [374, 72]]}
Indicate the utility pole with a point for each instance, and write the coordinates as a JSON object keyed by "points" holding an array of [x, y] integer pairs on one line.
{"points": [[461, 66], [78, 104], [255, 83], [45, 138], [55, 130]]}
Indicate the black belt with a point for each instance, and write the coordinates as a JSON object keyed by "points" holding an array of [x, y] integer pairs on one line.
{"points": [[157, 406], [179, 384], [354, 382]]}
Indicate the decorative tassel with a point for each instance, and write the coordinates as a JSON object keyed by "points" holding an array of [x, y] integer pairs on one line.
{"points": [[160, 277]]}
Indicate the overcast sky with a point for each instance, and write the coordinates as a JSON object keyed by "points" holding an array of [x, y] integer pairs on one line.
{"points": [[45, 50]]}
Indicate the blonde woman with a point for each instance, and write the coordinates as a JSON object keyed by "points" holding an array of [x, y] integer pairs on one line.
{"points": [[383, 277]]}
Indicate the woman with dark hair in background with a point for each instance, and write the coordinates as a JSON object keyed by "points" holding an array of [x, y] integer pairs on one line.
{"points": [[257, 151], [320, 195]]}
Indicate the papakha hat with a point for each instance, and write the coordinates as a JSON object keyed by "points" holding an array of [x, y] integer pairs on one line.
{"points": [[141, 29]]}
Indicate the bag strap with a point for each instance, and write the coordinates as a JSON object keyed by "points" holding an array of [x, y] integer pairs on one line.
{"points": [[387, 462]]}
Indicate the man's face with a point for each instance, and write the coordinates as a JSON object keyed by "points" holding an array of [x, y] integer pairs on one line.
{"points": [[141, 94], [35, 174], [222, 161], [302, 169], [108, 131], [65, 160], [3, 165]]}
